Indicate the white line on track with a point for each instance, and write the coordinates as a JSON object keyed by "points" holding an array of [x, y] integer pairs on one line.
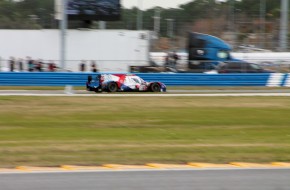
{"points": [[154, 95]]}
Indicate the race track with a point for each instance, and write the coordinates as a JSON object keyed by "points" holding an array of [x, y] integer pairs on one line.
{"points": [[171, 93], [209, 179]]}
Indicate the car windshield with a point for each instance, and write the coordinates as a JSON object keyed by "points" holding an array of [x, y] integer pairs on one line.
{"points": [[135, 80], [138, 80]]}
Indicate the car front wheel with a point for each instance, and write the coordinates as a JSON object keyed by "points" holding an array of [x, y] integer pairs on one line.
{"points": [[155, 87]]}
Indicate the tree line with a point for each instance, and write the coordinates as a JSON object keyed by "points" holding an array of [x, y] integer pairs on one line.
{"points": [[244, 17], [40, 13]]}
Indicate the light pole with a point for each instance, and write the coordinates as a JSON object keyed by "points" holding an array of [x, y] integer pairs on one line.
{"points": [[262, 22], [170, 30], [140, 15], [157, 22], [231, 12], [63, 27], [283, 44], [170, 27]]}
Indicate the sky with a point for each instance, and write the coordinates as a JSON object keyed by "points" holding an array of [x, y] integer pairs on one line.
{"points": [[147, 4]]}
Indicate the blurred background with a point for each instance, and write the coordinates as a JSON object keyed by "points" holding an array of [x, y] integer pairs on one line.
{"points": [[247, 22], [35, 28]]}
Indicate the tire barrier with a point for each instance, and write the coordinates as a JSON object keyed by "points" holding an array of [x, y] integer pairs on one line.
{"points": [[170, 79]]}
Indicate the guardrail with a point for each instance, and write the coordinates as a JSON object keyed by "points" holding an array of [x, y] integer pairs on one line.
{"points": [[170, 79]]}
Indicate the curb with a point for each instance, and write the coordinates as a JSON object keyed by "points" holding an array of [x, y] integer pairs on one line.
{"points": [[150, 166]]}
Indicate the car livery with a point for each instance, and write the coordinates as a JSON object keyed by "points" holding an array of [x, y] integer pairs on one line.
{"points": [[122, 83]]}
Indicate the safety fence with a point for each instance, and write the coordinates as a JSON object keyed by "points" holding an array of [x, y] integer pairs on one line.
{"points": [[170, 79]]}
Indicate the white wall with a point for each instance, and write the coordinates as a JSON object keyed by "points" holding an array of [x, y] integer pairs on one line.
{"points": [[113, 50], [264, 57], [259, 58]]}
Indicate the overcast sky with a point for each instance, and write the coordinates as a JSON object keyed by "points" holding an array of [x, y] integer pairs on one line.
{"points": [[146, 4]]}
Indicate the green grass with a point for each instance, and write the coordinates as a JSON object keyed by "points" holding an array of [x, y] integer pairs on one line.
{"points": [[49, 131]]}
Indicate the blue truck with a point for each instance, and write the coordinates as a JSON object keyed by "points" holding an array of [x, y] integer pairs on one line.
{"points": [[207, 47], [206, 52]]}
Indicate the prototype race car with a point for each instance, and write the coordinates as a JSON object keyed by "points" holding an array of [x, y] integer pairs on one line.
{"points": [[122, 83]]}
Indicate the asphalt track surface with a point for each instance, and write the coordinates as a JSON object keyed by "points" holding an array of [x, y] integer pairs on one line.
{"points": [[71, 92], [209, 179]]}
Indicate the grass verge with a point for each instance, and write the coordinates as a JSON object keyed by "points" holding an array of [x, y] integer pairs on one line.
{"points": [[49, 131]]}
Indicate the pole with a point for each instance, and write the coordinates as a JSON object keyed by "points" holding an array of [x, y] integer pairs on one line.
{"points": [[231, 12], [262, 22], [234, 16], [63, 27], [283, 44], [169, 28], [157, 22], [170, 31], [140, 16]]}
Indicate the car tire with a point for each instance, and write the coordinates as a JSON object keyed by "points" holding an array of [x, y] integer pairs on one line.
{"points": [[155, 87], [112, 87]]}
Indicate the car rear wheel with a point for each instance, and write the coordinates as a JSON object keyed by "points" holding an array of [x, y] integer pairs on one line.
{"points": [[112, 87], [155, 87]]}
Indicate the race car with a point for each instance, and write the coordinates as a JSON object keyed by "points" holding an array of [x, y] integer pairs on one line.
{"points": [[122, 83]]}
